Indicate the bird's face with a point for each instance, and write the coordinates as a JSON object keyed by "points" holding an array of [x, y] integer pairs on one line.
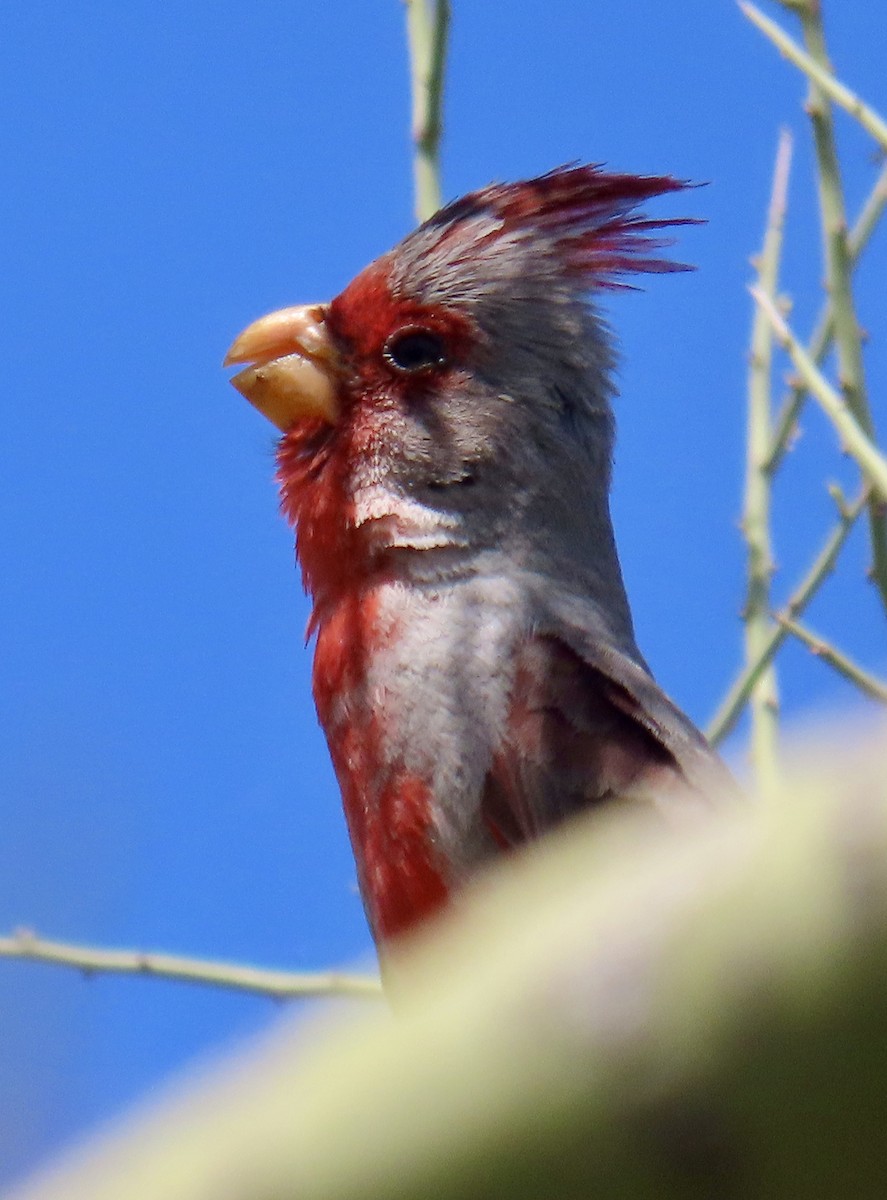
{"points": [[459, 380], [376, 394], [372, 345]]}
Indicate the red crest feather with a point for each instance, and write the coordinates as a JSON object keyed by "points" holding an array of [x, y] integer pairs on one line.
{"points": [[589, 212]]}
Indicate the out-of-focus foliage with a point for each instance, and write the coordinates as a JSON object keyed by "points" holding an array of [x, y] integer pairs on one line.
{"points": [[620, 1013]]}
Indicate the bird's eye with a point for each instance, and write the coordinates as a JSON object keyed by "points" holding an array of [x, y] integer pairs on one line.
{"points": [[415, 350]]}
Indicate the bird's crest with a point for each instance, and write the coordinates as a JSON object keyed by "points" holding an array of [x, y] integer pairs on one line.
{"points": [[586, 215]]}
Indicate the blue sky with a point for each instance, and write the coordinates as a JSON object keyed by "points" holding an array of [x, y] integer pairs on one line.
{"points": [[173, 172]]}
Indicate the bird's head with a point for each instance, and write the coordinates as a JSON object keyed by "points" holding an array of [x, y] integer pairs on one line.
{"points": [[461, 381]]}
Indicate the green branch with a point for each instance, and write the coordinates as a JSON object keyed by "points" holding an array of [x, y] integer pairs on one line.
{"points": [[871, 462], [428, 24], [823, 333], [830, 654], [816, 67], [277, 985], [847, 334], [733, 703], [764, 697]]}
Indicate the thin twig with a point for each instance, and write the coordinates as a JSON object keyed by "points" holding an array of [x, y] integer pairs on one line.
{"points": [[847, 334], [278, 985], [823, 332], [817, 70], [734, 702], [428, 23], [871, 462], [830, 654], [764, 698]]}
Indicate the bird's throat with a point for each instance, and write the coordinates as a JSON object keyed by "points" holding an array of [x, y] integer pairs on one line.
{"points": [[388, 807]]}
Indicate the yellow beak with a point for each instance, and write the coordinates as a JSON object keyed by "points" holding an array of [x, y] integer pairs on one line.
{"points": [[295, 367]]}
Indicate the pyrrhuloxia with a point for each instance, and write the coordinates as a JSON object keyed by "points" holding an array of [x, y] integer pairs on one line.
{"points": [[445, 460]]}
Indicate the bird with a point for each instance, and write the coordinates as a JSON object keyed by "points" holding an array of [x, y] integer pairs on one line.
{"points": [[447, 432]]}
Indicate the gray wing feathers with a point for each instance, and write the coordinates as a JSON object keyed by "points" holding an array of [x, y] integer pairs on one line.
{"points": [[580, 626]]}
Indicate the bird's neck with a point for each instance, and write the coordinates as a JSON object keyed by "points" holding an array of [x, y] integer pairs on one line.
{"points": [[388, 800], [353, 534], [314, 498]]}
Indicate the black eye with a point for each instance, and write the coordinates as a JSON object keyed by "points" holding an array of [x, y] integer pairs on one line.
{"points": [[414, 350]]}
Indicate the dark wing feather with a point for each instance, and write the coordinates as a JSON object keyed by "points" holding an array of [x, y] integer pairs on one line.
{"points": [[582, 734]]}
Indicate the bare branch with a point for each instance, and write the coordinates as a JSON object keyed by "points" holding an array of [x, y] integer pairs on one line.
{"points": [[835, 658], [817, 71], [428, 23], [764, 698], [871, 462], [734, 702], [823, 333], [847, 334], [278, 985]]}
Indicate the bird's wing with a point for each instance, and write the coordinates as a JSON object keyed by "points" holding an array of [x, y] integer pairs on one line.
{"points": [[588, 726]]}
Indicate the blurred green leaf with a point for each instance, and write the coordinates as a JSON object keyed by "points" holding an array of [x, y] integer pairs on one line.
{"points": [[620, 1012]]}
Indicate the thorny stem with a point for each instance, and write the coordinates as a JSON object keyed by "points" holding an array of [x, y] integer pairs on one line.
{"points": [[857, 443], [815, 64], [823, 332], [277, 985], [764, 697], [835, 658], [734, 702], [428, 24], [847, 334]]}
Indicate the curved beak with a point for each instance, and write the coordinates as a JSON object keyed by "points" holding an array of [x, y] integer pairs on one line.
{"points": [[295, 366]]}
